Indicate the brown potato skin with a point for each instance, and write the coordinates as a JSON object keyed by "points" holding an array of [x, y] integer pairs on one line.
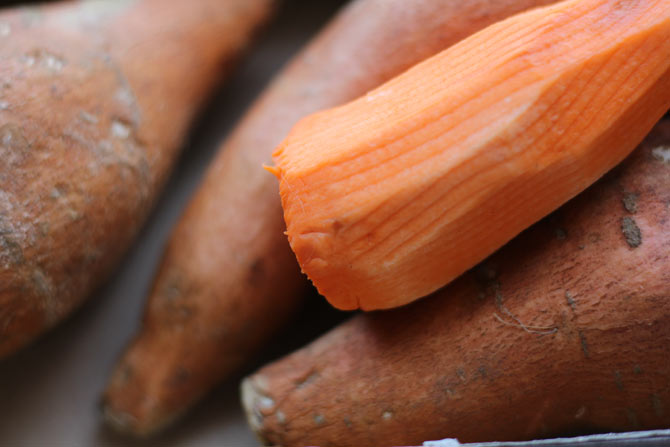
{"points": [[566, 329], [95, 100], [228, 279]]}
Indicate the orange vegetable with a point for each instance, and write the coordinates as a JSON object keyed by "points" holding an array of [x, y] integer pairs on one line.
{"points": [[394, 195], [228, 280], [566, 329]]}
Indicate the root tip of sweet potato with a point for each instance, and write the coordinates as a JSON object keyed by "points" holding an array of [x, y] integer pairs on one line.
{"points": [[127, 420], [119, 421], [252, 397]]}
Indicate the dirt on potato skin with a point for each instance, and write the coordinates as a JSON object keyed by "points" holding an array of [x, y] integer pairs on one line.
{"points": [[549, 335], [93, 110]]}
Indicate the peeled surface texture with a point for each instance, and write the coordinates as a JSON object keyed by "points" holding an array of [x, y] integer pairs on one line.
{"points": [[564, 330], [392, 196], [95, 99], [228, 280]]}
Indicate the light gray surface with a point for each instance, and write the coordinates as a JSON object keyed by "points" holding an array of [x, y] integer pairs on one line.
{"points": [[650, 438], [49, 393]]}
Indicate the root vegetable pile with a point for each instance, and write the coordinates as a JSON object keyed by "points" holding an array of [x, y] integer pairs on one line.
{"points": [[564, 330], [412, 139], [228, 280]]}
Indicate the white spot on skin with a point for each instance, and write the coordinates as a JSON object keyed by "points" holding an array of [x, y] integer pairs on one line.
{"points": [[87, 117], [28, 60], [13, 145], [662, 153], [265, 402], [5, 29], [281, 417], [387, 415], [120, 130], [6, 202], [124, 96], [73, 214], [580, 413], [53, 63], [4, 105], [55, 193], [43, 59]]}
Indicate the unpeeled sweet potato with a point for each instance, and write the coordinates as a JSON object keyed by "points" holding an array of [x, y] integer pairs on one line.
{"points": [[565, 329], [228, 279], [95, 100]]}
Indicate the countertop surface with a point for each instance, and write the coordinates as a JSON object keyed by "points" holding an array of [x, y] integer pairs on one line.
{"points": [[49, 392]]}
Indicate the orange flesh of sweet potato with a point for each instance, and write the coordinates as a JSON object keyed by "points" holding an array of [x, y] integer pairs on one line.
{"points": [[95, 99], [390, 197], [566, 329], [228, 279]]}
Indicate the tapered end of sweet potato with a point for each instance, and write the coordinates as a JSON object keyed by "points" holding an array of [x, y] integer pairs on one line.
{"points": [[253, 399], [140, 399], [119, 421]]}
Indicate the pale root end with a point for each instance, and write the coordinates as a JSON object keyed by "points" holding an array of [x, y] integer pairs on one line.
{"points": [[140, 426], [119, 421], [252, 397]]}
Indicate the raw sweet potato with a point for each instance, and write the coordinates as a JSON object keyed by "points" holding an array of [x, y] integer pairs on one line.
{"points": [[566, 329], [392, 196], [95, 100], [228, 279]]}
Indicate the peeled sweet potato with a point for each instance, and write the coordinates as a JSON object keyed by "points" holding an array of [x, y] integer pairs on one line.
{"points": [[95, 100], [565, 329], [228, 279], [390, 197]]}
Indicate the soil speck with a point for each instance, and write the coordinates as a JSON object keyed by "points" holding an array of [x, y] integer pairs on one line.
{"points": [[87, 117], [631, 232], [571, 301], [630, 202], [662, 153], [120, 130]]}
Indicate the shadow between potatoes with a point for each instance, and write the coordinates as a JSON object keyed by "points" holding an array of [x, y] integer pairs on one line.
{"points": [[315, 318]]}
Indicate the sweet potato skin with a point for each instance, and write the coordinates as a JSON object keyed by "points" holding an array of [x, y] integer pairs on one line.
{"points": [[95, 100], [565, 329], [228, 279]]}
